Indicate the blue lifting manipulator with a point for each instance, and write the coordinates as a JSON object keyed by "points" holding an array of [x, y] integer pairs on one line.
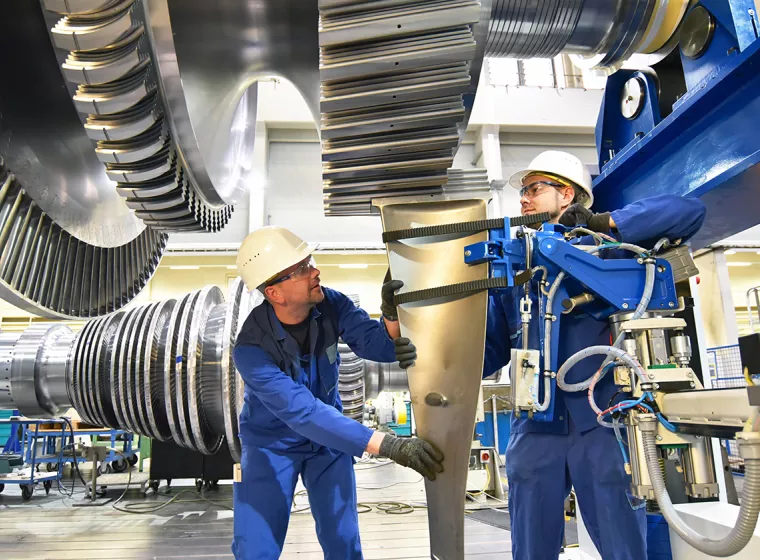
{"points": [[558, 273], [561, 275]]}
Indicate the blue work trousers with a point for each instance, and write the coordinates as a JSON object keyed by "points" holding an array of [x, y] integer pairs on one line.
{"points": [[264, 498], [542, 468]]}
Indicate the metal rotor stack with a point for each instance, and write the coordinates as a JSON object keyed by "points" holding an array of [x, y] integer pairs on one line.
{"points": [[351, 378], [162, 370], [117, 92], [48, 271], [396, 78]]}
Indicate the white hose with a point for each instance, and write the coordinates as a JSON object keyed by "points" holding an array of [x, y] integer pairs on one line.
{"points": [[739, 535], [616, 353], [548, 322]]}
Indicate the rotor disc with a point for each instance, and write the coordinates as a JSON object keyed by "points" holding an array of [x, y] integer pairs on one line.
{"points": [[203, 376], [169, 373], [180, 371], [155, 349], [229, 372]]}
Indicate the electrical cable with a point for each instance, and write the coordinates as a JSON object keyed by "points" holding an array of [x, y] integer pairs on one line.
{"points": [[748, 378]]}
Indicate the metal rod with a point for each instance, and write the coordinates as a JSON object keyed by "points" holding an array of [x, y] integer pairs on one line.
{"points": [[495, 421]]}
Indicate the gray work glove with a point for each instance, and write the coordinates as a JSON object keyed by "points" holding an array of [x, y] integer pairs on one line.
{"points": [[579, 215], [406, 352], [387, 306], [414, 453]]}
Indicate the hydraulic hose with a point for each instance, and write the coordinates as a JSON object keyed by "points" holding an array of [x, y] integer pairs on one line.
{"points": [[741, 533], [641, 308], [615, 353], [548, 323]]}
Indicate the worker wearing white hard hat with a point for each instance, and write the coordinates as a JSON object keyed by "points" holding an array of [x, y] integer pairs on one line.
{"points": [[291, 424], [544, 460]]}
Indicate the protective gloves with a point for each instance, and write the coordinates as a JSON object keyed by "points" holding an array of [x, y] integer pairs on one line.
{"points": [[578, 215], [406, 352], [414, 453], [387, 307]]}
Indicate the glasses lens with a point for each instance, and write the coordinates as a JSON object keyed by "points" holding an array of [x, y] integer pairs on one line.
{"points": [[305, 268], [535, 189]]}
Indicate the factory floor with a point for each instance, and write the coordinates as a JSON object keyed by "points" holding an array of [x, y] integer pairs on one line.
{"points": [[50, 527]]}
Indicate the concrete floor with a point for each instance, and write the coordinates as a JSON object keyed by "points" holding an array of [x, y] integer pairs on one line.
{"points": [[50, 527]]}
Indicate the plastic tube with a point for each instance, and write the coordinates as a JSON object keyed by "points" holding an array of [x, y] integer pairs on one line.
{"points": [[615, 353], [600, 237], [548, 323], [641, 308], [739, 535]]}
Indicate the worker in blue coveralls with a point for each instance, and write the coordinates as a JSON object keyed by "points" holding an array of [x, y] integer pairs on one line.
{"points": [[544, 459], [291, 423]]}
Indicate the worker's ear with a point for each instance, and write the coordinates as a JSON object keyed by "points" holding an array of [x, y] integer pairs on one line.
{"points": [[273, 294], [567, 195]]}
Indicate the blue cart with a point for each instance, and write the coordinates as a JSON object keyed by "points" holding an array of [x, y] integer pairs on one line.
{"points": [[28, 478]]}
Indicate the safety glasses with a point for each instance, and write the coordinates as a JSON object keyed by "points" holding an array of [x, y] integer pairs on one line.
{"points": [[537, 188], [304, 269]]}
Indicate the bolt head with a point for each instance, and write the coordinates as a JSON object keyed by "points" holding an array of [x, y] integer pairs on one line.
{"points": [[651, 376], [640, 261], [467, 253], [658, 437], [671, 304], [625, 306]]}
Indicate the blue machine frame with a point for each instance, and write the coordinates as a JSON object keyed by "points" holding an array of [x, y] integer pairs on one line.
{"points": [[708, 147], [618, 282]]}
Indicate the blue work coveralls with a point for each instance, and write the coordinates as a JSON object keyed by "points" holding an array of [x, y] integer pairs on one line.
{"points": [[544, 459], [291, 425]]}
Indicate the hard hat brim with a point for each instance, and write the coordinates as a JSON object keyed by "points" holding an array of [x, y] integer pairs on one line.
{"points": [[302, 251]]}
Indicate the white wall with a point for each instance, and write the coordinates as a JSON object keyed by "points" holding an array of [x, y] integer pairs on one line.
{"points": [[294, 198]]}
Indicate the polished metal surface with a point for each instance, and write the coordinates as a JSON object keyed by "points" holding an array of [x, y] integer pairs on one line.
{"points": [[398, 81], [204, 377], [632, 98], [155, 352], [543, 28], [351, 373], [233, 389], [209, 56], [445, 380], [176, 399], [7, 344], [384, 377], [47, 272], [33, 370], [599, 34], [697, 32], [42, 137], [117, 89]]}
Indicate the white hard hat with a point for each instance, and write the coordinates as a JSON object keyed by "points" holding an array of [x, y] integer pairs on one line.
{"points": [[268, 251], [562, 166]]}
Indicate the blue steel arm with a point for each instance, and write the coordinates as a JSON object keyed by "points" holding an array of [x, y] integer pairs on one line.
{"points": [[620, 282]]}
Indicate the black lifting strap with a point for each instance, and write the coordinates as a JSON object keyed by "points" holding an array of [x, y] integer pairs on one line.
{"points": [[451, 290], [464, 227], [461, 227]]}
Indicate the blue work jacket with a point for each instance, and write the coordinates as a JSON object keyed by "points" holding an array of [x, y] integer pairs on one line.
{"points": [[292, 402], [643, 223]]}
